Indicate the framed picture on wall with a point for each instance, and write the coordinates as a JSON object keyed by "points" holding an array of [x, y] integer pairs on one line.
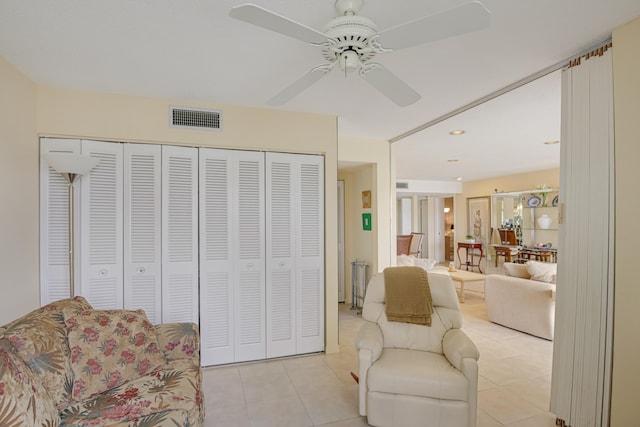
{"points": [[479, 218], [366, 199]]}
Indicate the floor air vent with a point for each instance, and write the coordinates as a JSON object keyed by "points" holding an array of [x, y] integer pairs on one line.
{"points": [[195, 118]]}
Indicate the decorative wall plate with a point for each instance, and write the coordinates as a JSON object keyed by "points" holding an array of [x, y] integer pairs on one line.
{"points": [[554, 202], [534, 201]]}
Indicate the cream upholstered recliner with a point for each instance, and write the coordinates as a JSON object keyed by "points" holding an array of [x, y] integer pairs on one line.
{"points": [[413, 375]]}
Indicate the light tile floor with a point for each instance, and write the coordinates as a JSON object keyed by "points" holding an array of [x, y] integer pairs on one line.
{"points": [[317, 390]]}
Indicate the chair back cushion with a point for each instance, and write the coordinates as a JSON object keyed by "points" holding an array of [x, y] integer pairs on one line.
{"points": [[416, 337]]}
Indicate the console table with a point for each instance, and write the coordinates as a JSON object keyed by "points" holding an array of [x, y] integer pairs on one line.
{"points": [[470, 255]]}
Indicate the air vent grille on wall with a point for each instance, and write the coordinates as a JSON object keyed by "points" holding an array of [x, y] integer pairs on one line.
{"points": [[404, 185], [195, 118]]}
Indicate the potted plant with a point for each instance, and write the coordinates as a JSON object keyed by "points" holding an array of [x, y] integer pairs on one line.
{"points": [[469, 239]]}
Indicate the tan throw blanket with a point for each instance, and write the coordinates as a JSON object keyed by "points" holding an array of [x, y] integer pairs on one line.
{"points": [[408, 297]]}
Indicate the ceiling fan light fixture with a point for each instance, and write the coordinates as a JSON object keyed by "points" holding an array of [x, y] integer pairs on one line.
{"points": [[349, 61]]}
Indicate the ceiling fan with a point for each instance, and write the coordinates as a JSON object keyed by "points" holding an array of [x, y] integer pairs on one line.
{"points": [[352, 41]]}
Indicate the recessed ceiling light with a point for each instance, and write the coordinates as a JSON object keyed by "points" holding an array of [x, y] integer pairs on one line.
{"points": [[457, 132], [452, 160], [459, 179], [551, 142]]}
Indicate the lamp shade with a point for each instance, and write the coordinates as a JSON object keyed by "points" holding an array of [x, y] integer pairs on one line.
{"points": [[78, 164]]}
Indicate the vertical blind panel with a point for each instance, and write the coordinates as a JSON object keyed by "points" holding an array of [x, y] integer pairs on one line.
{"points": [[216, 311], [103, 211], [250, 214], [281, 201], [143, 289], [309, 307], [310, 226], [281, 302], [102, 293], [216, 209], [58, 221], [144, 208], [179, 292], [180, 204], [250, 308]]}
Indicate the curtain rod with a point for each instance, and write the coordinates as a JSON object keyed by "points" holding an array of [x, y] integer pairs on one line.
{"points": [[558, 66]]}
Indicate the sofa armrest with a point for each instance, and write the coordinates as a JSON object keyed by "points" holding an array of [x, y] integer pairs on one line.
{"points": [[369, 343], [179, 340], [457, 346]]}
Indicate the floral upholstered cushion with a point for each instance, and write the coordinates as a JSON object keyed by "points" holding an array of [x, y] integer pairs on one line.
{"points": [[179, 340], [109, 347], [169, 396], [40, 339], [24, 401]]}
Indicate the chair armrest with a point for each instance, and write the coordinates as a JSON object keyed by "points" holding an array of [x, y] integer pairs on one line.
{"points": [[179, 340], [370, 338], [457, 346], [369, 343]]}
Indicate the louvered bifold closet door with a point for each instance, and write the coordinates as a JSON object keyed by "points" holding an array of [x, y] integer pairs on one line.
{"points": [[309, 209], [54, 222], [142, 229], [217, 262], [232, 234], [295, 254], [249, 256], [281, 248], [101, 215], [179, 234]]}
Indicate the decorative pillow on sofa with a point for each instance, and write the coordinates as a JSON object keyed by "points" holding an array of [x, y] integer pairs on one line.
{"points": [[425, 263], [40, 339], [24, 401], [404, 260], [542, 271], [109, 347], [410, 260], [516, 270]]}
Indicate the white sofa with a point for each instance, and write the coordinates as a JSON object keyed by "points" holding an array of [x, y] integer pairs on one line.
{"points": [[517, 301], [412, 375]]}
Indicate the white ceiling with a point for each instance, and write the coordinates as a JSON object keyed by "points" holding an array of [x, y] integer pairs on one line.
{"points": [[192, 49]]}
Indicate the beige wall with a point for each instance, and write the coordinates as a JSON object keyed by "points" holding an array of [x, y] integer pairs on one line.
{"points": [[626, 345], [19, 187], [359, 244], [376, 154], [486, 187], [65, 113]]}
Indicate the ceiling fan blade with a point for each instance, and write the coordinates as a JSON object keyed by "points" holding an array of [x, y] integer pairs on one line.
{"points": [[299, 85], [391, 86], [463, 19], [264, 18]]}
